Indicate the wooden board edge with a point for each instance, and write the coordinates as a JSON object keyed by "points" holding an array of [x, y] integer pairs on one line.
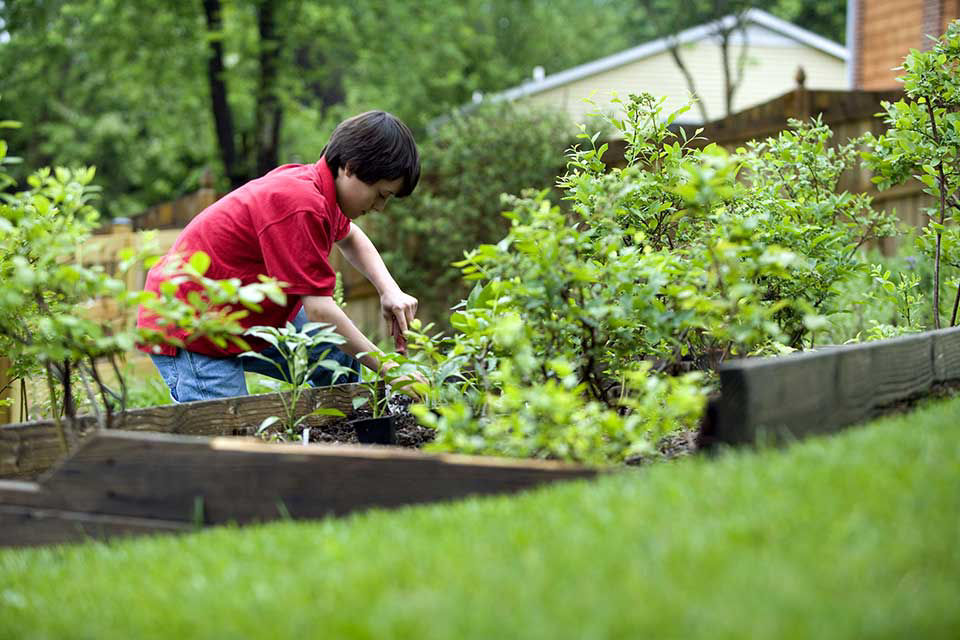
{"points": [[387, 453], [26, 526]]}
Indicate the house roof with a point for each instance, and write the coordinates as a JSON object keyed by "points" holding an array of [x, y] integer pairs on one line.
{"points": [[752, 17]]}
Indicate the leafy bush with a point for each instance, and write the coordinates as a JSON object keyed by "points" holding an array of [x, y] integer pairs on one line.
{"points": [[592, 331], [49, 326], [468, 162], [923, 142]]}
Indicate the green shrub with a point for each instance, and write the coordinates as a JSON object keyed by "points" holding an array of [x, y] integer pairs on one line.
{"points": [[468, 162], [47, 293], [592, 330], [923, 142]]}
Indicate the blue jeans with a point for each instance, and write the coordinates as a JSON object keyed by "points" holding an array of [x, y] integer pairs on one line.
{"points": [[194, 376]]}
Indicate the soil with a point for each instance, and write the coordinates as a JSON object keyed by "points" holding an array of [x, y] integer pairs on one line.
{"points": [[408, 432], [676, 445]]}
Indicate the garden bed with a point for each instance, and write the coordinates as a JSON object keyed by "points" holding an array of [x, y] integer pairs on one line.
{"points": [[162, 471]]}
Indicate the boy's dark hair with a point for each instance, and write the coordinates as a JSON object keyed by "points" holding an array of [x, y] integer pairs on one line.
{"points": [[377, 146]]}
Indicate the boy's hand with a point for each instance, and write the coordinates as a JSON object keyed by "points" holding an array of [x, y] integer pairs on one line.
{"points": [[396, 305]]}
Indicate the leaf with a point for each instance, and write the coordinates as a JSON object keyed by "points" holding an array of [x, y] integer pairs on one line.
{"points": [[200, 261], [267, 422], [336, 413]]}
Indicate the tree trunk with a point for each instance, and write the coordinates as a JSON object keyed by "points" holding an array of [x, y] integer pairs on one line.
{"points": [[269, 112], [222, 117]]}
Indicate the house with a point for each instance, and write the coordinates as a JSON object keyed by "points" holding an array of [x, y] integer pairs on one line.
{"points": [[775, 49], [882, 32]]}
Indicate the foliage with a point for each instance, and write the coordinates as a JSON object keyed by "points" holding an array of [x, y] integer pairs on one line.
{"points": [[583, 323], [51, 300], [650, 20], [383, 384], [468, 162], [436, 54], [923, 142], [125, 84], [295, 348]]}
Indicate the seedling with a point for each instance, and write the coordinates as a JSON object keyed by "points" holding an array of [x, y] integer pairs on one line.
{"points": [[295, 347]]}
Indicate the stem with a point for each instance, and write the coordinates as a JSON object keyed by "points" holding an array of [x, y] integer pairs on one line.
{"points": [[24, 401], [942, 183], [123, 383], [101, 424], [956, 303], [51, 388], [105, 393]]}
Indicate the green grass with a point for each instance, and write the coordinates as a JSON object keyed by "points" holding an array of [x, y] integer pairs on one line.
{"points": [[854, 536]]}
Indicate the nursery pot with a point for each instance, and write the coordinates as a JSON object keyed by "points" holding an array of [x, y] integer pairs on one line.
{"points": [[375, 430]]}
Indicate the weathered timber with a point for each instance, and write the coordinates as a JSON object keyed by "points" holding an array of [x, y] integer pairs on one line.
{"points": [[946, 355], [30, 526], [30, 448], [821, 391], [187, 479]]}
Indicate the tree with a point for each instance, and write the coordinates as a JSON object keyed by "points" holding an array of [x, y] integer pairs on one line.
{"points": [[152, 92]]}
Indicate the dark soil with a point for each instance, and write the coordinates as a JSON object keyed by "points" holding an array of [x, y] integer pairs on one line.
{"points": [[408, 432], [676, 445]]}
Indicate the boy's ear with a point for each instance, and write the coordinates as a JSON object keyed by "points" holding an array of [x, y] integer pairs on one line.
{"points": [[348, 170]]}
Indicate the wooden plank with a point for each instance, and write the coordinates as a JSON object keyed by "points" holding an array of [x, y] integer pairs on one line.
{"points": [[29, 449], [31, 527], [149, 475], [816, 392], [946, 355], [776, 396], [900, 368]]}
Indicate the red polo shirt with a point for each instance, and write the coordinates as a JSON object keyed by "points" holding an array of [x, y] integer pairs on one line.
{"points": [[282, 225]]}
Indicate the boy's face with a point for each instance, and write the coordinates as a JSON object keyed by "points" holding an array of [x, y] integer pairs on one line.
{"points": [[356, 197]]}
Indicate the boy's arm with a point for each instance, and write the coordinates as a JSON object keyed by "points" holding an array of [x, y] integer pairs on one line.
{"points": [[324, 309], [395, 304]]}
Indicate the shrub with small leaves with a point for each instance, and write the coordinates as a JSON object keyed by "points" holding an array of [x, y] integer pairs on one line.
{"points": [[923, 142], [593, 330]]}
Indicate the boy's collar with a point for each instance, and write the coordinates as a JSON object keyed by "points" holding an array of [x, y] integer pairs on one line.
{"points": [[327, 186]]}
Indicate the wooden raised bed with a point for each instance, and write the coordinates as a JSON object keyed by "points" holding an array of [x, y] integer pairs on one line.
{"points": [[794, 396], [121, 482], [162, 472], [27, 449]]}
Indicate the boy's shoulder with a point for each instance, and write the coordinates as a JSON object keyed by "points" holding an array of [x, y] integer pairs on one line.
{"points": [[293, 187]]}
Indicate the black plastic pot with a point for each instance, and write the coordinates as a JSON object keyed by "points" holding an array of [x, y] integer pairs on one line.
{"points": [[375, 430]]}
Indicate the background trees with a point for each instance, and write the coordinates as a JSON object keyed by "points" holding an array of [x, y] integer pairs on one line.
{"points": [[153, 93]]}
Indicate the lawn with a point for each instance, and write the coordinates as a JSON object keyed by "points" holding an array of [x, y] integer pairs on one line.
{"points": [[853, 536]]}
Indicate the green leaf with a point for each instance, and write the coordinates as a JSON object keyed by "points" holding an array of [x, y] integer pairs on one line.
{"points": [[267, 422], [336, 413], [200, 261]]}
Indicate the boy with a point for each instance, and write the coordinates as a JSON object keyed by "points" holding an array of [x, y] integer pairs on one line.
{"points": [[283, 225]]}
